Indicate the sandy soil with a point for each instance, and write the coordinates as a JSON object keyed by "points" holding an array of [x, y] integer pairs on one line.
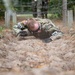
{"points": [[32, 56]]}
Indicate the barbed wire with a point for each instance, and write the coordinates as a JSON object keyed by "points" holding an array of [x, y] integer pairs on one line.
{"points": [[30, 4], [56, 9]]}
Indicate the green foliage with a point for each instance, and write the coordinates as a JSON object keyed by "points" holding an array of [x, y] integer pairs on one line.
{"points": [[2, 5], [1, 28], [1, 15], [55, 7], [71, 4], [2, 8]]}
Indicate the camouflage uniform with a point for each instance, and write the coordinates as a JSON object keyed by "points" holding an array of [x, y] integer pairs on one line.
{"points": [[46, 27], [34, 8], [44, 8]]}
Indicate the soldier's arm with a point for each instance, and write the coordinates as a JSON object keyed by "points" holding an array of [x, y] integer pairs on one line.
{"points": [[49, 26], [18, 28]]}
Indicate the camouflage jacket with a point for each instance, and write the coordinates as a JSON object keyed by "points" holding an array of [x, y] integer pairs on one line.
{"points": [[46, 27]]}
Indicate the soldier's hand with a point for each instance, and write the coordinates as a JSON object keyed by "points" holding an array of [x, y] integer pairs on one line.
{"points": [[23, 33]]}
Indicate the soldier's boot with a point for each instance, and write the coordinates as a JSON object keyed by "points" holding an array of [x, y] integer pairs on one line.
{"points": [[47, 40], [56, 35]]}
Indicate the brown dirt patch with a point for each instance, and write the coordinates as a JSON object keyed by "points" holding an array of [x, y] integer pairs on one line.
{"points": [[33, 56]]}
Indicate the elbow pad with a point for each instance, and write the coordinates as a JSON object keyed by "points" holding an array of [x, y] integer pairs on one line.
{"points": [[20, 26]]}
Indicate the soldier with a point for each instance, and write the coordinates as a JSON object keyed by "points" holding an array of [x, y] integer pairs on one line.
{"points": [[44, 8], [40, 28], [34, 8]]}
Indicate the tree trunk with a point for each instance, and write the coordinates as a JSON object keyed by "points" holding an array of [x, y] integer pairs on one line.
{"points": [[64, 12]]}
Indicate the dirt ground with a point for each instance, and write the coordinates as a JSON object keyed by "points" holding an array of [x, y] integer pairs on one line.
{"points": [[32, 56]]}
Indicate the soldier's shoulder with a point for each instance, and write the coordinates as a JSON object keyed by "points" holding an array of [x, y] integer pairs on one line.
{"points": [[41, 19], [38, 18]]}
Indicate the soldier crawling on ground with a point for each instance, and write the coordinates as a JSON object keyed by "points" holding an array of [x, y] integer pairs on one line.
{"points": [[40, 28]]}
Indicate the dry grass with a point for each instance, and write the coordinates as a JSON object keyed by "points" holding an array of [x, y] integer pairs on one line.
{"points": [[33, 56]]}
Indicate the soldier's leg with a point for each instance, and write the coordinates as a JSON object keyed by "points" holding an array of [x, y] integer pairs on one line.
{"points": [[56, 35], [47, 40], [36, 12], [46, 14], [42, 12], [34, 15]]}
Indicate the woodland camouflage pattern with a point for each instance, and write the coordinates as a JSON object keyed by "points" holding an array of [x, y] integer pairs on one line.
{"points": [[46, 26]]}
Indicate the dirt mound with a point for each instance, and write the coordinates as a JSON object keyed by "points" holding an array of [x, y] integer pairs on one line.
{"points": [[32, 56], [36, 57]]}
